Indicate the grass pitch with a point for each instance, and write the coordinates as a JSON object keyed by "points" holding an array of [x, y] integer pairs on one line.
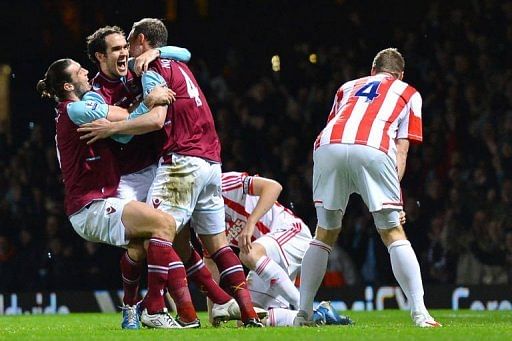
{"points": [[377, 325]]}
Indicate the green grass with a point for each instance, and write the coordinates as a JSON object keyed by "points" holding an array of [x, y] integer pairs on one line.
{"points": [[378, 325]]}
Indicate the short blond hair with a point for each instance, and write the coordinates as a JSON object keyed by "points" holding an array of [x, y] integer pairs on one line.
{"points": [[389, 60]]}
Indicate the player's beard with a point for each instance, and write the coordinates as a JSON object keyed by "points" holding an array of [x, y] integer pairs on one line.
{"points": [[81, 89]]}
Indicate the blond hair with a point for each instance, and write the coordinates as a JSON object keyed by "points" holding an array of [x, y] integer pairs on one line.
{"points": [[389, 60]]}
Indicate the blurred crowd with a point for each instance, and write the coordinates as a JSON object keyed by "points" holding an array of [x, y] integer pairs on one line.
{"points": [[457, 189]]}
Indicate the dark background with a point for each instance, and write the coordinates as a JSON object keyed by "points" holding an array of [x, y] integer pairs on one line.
{"points": [[458, 184]]}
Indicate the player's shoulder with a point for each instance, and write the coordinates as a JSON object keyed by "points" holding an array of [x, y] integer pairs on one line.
{"points": [[233, 175], [162, 62], [404, 85], [97, 82], [93, 96], [351, 83]]}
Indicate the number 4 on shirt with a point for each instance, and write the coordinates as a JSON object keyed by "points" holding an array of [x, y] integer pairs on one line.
{"points": [[193, 91], [369, 91]]}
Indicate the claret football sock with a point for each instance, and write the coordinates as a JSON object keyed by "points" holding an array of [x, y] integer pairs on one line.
{"points": [[159, 256], [130, 273], [201, 276], [178, 288], [232, 279]]}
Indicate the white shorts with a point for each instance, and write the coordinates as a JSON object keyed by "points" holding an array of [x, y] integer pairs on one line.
{"points": [[342, 169], [287, 247], [100, 222], [135, 186], [190, 189]]}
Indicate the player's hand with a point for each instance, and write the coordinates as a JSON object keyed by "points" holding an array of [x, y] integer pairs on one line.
{"points": [[142, 62], [160, 95], [244, 238], [403, 219], [96, 130]]}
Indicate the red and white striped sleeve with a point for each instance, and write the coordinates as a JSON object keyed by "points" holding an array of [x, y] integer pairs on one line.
{"points": [[237, 181], [336, 104], [411, 126]]}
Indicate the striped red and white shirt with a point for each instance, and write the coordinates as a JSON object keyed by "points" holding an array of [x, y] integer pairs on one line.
{"points": [[240, 201], [374, 111]]}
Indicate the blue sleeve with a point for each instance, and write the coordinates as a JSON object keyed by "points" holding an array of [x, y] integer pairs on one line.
{"points": [[140, 110], [90, 108], [173, 52], [149, 80]]}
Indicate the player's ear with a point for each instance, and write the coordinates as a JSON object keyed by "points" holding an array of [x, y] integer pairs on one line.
{"points": [[401, 75], [69, 86], [141, 38], [373, 72], [99, 56]]}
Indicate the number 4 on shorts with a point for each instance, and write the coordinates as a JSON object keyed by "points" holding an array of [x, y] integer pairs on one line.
{"points": [[369, 91]]}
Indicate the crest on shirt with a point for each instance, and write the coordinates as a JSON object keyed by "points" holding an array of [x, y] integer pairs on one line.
{"points": [[156, 202], [91, 105], [110, 210]]}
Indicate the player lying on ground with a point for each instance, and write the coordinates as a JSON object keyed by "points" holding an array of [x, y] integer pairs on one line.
{"points": [[272, 242]]}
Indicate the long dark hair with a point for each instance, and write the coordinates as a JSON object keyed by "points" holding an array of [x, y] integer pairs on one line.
{"points": [[51, 86]]}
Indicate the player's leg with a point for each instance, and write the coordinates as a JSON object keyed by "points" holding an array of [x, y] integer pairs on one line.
{"points": [[115, 221], [208, 222], [171, 193], [377, 182], [142, 221], [331, 190], [270, 271], [133, 186], [196, 270], [231, 274], [314, 263], [405, 265], [131, 265]]}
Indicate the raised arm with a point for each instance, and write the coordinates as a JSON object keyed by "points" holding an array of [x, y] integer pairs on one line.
{"points": [[141, 63]]}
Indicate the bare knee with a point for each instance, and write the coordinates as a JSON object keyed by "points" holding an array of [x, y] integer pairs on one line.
{"points": [[391, 235], [164, 226], [248, 260], [213, 242], [327, 236]]}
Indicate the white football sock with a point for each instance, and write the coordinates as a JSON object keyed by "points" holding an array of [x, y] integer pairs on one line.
{"points": [[407, 272], [312, 273], [279, 317], [279, 280]]}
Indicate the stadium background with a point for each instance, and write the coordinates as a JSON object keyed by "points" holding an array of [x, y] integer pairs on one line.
{"points": [[458, 184]]}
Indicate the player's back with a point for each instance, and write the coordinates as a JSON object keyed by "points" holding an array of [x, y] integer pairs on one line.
{"points": [[368, 111], [142, 150], [189, 124], [89, 171]]}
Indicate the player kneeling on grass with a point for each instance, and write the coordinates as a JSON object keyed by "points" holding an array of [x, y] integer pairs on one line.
{"points": [[272, 242]]}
